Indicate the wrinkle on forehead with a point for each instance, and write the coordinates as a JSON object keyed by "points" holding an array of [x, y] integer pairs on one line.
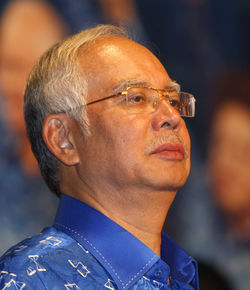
{"points": [[122, 85]]}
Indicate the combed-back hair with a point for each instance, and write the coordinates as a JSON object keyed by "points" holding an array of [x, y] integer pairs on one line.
{"points": [[57, 84]]}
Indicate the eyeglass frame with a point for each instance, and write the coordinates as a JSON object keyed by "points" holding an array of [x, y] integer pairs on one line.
{"points": [[125, 92]]}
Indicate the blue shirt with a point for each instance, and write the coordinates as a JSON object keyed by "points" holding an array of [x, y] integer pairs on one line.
{"points": [[86, 250]]}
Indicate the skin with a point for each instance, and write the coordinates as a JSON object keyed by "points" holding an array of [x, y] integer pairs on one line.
{"points": [[113, 170], [27, 29], [229, 160]]}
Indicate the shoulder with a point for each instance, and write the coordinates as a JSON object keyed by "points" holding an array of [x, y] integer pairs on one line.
{"points": [[24, 263], [51, 259]]}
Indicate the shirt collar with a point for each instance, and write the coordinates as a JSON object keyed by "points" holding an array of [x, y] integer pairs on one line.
{"points": [[125, 257], [183, 267]]}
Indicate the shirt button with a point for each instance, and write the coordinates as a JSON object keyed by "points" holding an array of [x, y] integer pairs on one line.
{"points": [[158, 272]]}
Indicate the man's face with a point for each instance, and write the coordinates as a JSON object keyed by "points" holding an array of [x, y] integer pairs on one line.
{"points": [[150, 150]]}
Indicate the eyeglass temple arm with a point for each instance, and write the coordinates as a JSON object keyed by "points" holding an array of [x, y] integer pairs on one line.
{"points": [[96, 101]]}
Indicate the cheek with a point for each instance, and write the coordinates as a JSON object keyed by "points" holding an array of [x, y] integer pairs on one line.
{"points": [[121, 137], [127, 135]]}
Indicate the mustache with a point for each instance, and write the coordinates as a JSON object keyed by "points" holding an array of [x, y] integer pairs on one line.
{"points": [[163, 139]]}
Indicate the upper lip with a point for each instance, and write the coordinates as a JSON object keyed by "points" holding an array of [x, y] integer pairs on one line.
{"points": [[170, 147]]}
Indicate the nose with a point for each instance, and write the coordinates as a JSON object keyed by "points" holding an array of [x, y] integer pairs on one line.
{"points": [[166, 117]]}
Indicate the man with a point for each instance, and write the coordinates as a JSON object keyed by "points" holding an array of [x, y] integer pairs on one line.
{"points": [[116, 151]]}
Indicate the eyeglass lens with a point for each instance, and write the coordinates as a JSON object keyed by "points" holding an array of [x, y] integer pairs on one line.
{"points": [[139, 100]]}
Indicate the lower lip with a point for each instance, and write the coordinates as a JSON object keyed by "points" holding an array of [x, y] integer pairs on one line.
{"points": [[170, 154]]}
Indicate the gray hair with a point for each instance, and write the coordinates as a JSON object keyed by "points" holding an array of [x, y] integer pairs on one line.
{"points": [[56, 84]]}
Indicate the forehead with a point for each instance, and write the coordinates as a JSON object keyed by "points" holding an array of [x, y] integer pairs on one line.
{"points": [[113, 60]]}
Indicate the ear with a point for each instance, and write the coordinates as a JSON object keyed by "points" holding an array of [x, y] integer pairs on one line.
{"points": [[58, 136]]}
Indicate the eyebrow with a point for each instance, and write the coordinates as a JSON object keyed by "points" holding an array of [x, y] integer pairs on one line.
{"points": [[173, 85], [122, 85]]}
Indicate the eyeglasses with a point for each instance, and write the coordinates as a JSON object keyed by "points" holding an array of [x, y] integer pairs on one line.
{"points": [[146, 100]]}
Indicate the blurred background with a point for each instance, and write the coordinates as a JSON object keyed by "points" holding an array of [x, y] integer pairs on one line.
{"points": [[205, 46]]}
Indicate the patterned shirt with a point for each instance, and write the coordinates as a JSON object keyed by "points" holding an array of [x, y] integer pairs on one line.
{"points": [[86, 250]]}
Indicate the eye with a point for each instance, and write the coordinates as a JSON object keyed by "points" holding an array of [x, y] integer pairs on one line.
{"points": [[136, 99], [175, 103]]}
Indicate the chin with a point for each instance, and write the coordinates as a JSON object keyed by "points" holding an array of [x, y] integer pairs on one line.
{"points": [[167, 183], [174, 177], [163, 175], [174, 186]]}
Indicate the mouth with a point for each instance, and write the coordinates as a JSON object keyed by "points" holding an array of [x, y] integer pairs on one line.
{"points": [[170, 151]]}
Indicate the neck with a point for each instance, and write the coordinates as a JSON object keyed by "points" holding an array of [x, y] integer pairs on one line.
{"points": [[141, 212], [143, 218]]}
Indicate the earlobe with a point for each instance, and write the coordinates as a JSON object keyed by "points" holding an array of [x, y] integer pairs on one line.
{"points": [[57, 136]]}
